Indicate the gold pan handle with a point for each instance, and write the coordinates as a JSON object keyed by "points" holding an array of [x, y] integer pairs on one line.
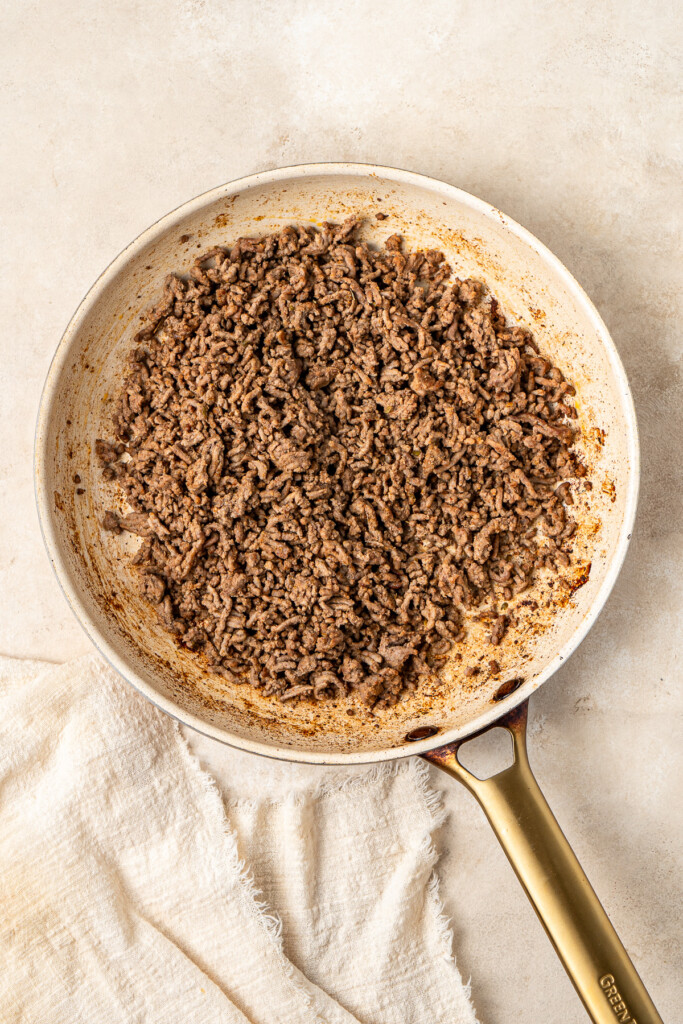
{"points": [[553, 879]]}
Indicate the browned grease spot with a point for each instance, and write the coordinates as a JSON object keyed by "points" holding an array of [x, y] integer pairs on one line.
{"points": [[423, 733], [508, 687], [581, 578], [222, 220], [609, 489], [184, 238], [58, 501], [598, 435], [537, 314]]}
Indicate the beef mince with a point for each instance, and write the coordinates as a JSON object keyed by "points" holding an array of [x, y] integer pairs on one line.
{"points": [[331, 452]]}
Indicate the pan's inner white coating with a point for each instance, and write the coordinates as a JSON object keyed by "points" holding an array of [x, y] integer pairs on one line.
{"points": [[84, 380]]}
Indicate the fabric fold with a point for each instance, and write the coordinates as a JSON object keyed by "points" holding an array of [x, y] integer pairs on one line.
{"points": [[133, 889]]}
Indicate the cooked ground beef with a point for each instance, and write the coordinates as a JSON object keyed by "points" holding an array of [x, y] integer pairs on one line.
{"points": [[331, 451]]}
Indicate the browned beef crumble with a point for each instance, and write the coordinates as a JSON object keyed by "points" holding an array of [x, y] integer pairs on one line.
{"points": [[330, 452]]}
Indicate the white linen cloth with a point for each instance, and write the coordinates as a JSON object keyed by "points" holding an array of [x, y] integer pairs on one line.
{"points": [[130, 891]]}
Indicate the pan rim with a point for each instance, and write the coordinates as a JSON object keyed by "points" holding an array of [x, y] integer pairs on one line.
{"points": [[46, 516]]}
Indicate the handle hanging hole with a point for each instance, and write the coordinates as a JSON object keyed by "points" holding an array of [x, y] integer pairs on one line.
{"points": [[487, 755]]}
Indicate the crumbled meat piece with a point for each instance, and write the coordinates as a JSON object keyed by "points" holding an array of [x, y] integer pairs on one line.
{"points": [[153, 588], [297, 691], [320, 376], [107, 452], [136, 522], [395, 655], [330, 451], [288, 458], [197, 479], [499, 628], [352, 671], [423, 382], [111, 521]]}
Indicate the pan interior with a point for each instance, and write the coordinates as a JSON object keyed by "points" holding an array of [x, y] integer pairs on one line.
{"points": [[533, 290]]}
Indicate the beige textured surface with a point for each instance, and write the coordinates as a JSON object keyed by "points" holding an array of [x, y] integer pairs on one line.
{"points": [[568, 118]]}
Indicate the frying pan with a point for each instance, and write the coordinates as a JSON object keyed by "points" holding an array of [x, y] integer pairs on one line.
{"points": [[536, 291]]}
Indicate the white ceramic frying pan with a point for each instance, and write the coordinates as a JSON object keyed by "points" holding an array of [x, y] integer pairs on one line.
{"points": [[535, 290]]}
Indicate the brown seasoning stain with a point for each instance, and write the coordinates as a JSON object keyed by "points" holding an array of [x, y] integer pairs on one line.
{"points": [[609, 489]]}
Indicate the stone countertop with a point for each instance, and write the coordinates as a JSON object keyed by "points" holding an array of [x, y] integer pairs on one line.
{"points": [[567, 117]]}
